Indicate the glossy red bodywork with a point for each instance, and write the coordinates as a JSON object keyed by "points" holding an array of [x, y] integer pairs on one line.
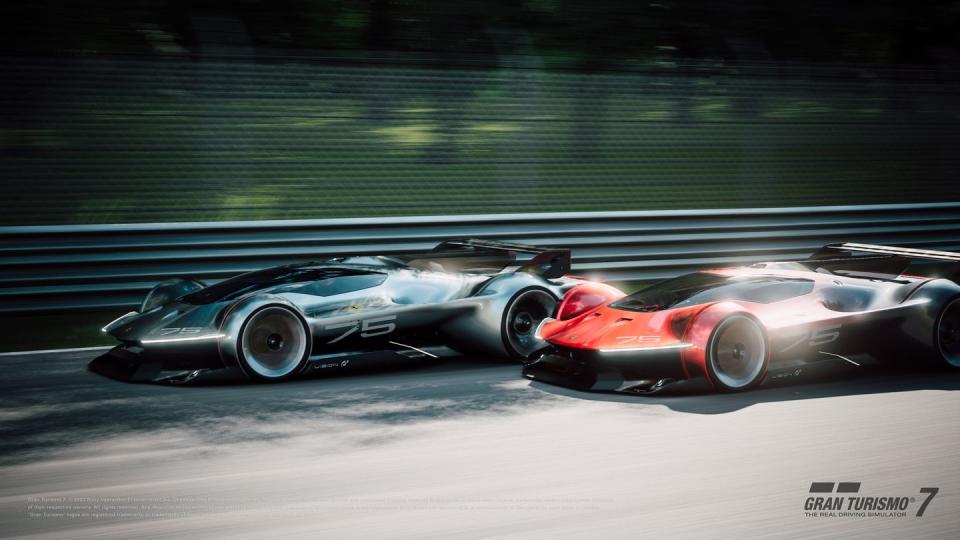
{"points": [[604, 328], [585, 297]]}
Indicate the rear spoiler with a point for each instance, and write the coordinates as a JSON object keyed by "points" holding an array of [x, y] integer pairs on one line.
{"points": [[830, 250], [550, 263], [870, 260]]}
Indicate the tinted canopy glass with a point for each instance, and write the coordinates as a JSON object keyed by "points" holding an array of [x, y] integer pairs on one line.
{"points": [[704, 287], [325, 281]]}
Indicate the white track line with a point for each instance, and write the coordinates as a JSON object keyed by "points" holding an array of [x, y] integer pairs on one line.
{"points": [[80, 349]]}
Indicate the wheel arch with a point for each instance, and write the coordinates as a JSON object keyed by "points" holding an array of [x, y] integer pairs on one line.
{"points": [[700, 331], [481, 329], [920, 331], [235, 315]]}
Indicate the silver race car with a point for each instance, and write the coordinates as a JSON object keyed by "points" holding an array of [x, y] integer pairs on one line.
{"points": [[467, 295]]}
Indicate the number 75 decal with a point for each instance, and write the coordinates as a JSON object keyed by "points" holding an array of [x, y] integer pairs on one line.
{"points": [[379, 326], [817, 337]]}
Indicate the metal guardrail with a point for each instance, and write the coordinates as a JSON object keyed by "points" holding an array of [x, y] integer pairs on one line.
{"points": [[51, 268]]}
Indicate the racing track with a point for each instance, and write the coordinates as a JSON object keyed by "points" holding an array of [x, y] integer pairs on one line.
{"points": [[463, 449]]}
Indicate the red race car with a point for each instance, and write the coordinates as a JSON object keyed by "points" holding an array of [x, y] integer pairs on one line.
{"points": [[735, 327]]}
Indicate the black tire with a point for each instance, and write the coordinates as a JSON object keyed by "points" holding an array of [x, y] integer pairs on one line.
{"points": [[946, 335], [521, 317], [737, 354], [274, 344]]}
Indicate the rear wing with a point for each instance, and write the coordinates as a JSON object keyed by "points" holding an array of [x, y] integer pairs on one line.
{"points": [[910, 253], [550, 263], [887, 261]]}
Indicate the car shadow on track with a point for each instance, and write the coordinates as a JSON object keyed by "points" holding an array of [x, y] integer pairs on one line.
{"points": [[693, 396], [51, 405], [696, 397]]}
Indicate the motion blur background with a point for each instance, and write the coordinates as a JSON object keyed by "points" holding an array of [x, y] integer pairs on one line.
{"points": [[152, 110], [146, 111]]}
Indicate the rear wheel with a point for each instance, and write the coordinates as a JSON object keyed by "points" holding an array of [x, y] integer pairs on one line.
{"points": [[526, 310], [274, 344], [948, 334], [737, 354]]}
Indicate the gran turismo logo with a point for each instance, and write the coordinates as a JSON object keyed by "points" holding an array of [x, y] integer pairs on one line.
{"points": [[843, 500]]}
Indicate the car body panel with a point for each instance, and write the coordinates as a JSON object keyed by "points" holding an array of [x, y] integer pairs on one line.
{"points": [[351, 305], [808, 314]]}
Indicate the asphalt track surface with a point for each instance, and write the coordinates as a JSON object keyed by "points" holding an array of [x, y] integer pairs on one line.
{"points": [[464, 448]]}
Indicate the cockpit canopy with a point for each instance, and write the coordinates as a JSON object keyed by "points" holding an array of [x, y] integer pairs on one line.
{"points": [[704, 287], [308, 279]]}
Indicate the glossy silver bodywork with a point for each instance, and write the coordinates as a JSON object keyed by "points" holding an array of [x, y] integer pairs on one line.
{"points": [[410, 309]]}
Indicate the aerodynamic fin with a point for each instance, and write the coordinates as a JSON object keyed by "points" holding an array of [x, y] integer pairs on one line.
{"points": [[548, 262], [883, 260], [909, 253]]}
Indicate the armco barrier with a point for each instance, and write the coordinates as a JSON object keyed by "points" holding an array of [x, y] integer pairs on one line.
{"points": [[52, 268]]}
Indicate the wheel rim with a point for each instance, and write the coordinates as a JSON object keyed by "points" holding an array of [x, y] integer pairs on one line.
{"points": [[948, 333], [738, 352], [274, 342], [524, 316]]}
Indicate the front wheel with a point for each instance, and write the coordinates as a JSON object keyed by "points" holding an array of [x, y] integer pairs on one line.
{"points": [[737, 354], [526, 310], [274, 344]]}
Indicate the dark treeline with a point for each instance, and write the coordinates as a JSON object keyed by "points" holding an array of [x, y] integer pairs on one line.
{"points": [[568, 34]]}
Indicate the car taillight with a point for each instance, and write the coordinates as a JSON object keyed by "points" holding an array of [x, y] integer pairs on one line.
{"points": [[585, 297]]}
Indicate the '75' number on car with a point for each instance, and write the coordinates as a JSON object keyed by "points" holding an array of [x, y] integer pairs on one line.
{"points": [[379, 326]]}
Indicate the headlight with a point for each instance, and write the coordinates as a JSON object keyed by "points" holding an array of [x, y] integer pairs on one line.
{"points": [[119, 319]]}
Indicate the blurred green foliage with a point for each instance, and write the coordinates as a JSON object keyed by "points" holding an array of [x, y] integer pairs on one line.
{"points": [[172, 110]]}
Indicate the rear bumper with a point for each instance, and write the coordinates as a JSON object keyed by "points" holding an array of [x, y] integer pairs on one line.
{"points": [[582, 369], [132, 363]]}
